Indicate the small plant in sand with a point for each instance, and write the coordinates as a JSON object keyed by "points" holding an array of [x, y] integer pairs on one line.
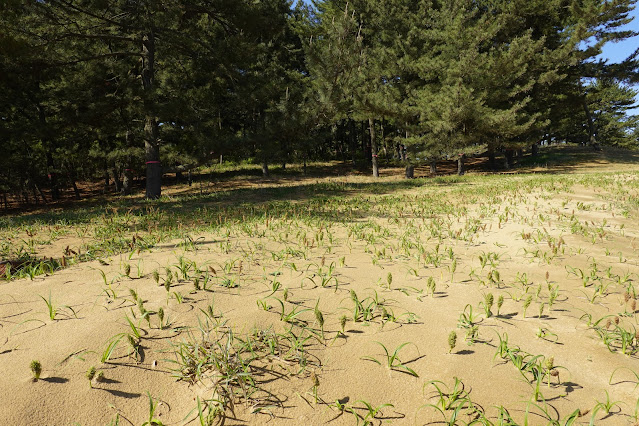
{"points": [[389, 280], [319, 318], [452, 268], [161, 317], [36, 369], [527, 303], [134, 295], [342, 322], [90, 374], [452, 341], [156, 276], [431, 286], [500, 302], [127, 270], [392, 361], [315, 382], [487, 304]]}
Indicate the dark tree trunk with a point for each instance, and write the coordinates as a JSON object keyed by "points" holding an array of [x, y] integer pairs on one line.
{"points": [[304, 170], [151, 143], [76, 190], [410, 171], [44, 199], [534, 149], [353, 140], [371, 124], [491, 158], [73, 178], [46, 140], [508, 159], [53, 177], [592, 139], [6, 201], [116, 179], [265, 168], [433, 167], [190, 178], [461, 168], [106, 178], [127, 184]]}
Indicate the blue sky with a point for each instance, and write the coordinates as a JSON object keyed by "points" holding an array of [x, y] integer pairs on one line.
{"points": [[617, 52]]}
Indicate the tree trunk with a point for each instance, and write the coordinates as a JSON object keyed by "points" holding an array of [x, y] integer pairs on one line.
{"points": [[410, 171], [53, 177], [116, 179], [151, 143], [44, 199], [353, 141], [371, 124], [127, 183], [265, 168], [46, 140], [592, 139], [76, 190], [534, 149], [106, 178], [508, 159], [73, 177], [491, 159], [433, 167], [461, 169]]}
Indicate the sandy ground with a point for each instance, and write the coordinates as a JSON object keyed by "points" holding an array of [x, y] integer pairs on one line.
{"points": [[548, 234]]}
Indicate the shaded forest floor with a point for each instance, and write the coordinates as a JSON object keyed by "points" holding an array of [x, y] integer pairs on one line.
{"points": [[229, 176]]}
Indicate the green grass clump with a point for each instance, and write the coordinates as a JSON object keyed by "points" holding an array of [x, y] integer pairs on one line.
{"points": [[36, 369]]}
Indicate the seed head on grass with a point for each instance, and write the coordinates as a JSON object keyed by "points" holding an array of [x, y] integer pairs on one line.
{"points": [[285, 294], [36, 369], [99, 377], [389, 280], [527, 303], [161, 317], [156, 276], [342, 322], [167, 284], [316, 383], [452, 341], [500, 302], [489, 299], [127, 269], [90, 374], [196, 283], [320, 318]]}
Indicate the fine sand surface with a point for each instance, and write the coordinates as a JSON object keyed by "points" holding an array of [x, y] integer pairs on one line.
{"points": [[529, 238]]}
